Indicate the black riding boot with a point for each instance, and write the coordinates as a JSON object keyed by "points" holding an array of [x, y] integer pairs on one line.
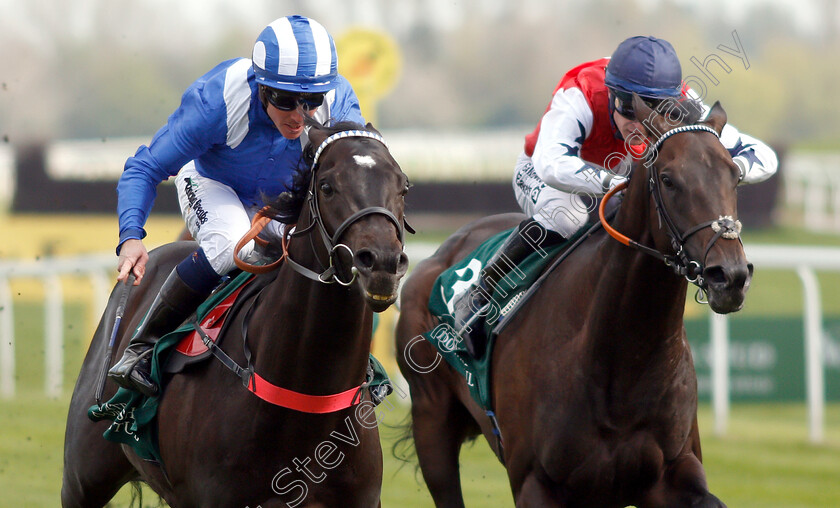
{"points": [[175, 302], [471, 306]]}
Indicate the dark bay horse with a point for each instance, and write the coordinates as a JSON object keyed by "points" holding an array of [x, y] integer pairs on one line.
{"points": [[593, 382], [221, 445]]}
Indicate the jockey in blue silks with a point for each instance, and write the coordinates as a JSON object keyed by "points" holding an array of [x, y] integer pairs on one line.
{"points": [[237, 136]]}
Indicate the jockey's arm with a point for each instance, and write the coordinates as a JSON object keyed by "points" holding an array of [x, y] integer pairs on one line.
{"points": [[556, 157], [755, 159], [190, 131]]}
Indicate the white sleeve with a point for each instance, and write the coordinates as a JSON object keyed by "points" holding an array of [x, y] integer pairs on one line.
{"points": [[756, 160], [556, 158]]}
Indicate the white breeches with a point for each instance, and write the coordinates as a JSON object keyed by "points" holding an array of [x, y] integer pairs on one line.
{"points": [[217, 219], [556, 210]]}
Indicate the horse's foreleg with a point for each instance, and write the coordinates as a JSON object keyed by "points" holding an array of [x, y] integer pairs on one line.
{"points": [[534, 494], [684, 484]]}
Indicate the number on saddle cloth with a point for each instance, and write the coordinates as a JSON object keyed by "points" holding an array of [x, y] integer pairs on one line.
{"points": [[512, 292]]}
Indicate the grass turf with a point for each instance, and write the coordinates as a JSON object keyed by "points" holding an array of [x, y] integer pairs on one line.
{"points": [[765, 459]]}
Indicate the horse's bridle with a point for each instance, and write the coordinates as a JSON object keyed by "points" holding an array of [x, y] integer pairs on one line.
{"points": [[331, 242], [724, 226]]}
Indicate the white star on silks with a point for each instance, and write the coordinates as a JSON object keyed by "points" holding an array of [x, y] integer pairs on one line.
{"points": [[745, 151]]}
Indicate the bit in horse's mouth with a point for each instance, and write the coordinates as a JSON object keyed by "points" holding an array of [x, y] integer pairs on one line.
{"points": [[379, 298]]}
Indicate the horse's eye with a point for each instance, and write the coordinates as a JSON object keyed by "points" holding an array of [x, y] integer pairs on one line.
{"points": [[666, 181], [326, 188], [405, 189]]}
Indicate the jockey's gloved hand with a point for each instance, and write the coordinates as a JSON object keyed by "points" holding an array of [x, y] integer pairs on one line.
{"points": [[611, 181]]}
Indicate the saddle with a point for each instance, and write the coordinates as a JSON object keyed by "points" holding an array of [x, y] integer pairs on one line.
{"points": [[133, 415], [510, 295], [191, 348]]}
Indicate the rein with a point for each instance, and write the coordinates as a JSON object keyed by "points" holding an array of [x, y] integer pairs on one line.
{"points": [[331, 242], [724, 227], [250, 379]]}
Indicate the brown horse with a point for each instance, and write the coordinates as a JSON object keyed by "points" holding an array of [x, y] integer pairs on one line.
{"points": [[593, 382], [221, 445]]}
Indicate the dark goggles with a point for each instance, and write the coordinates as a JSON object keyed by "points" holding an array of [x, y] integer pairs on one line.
{"points": [[290, 101], [623, 103]]}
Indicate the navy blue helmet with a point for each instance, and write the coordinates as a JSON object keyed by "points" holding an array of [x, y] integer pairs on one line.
{"points": [[647, 66]]}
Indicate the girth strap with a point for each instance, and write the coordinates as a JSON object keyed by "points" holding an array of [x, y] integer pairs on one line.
{"points": [[283, 397]]}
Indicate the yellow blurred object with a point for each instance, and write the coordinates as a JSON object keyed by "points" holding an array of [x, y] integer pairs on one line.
{"points": [[371, 61], [383, 340], [35, 236], [30, 237]]}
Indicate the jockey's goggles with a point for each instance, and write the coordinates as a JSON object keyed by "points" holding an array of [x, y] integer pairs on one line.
{"points": [[623, 103], [290, 101]]}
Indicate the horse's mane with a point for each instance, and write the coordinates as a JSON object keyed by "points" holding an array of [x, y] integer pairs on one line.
{"points": [[287, 206], [685, 111]]}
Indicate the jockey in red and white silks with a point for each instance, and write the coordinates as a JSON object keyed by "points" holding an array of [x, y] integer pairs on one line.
{"points": [[577, 139], [582, 147]]}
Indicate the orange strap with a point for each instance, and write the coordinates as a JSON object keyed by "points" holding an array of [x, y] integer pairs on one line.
{"points": [[612, 231], [257, 224]]}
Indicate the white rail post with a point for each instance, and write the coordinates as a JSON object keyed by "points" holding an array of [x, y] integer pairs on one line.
{"points": [[814, 376], [54, 319], [816, 201], [719, 331], [7, 341]]}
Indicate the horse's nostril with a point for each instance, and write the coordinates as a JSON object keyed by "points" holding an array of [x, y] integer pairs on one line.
{"points": [[732, 276], [715, 275], [402, 263], [365, 259]]}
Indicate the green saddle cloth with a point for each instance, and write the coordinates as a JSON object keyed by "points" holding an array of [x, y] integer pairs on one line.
{"points": [[458, 278], [133, 414]]}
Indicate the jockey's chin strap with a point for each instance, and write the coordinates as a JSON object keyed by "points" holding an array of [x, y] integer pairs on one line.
{"points": [[724, 227], [331, 242]]}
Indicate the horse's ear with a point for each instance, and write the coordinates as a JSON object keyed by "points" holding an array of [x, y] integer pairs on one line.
{"points": [[652, 120], [317, 133], [717, 118], [371, 128]]}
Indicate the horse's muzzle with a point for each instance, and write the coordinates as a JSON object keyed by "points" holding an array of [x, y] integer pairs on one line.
{"points": [[727, 286], [380, 271]]}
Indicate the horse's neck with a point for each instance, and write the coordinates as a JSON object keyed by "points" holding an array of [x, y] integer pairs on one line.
{"points": [[638, 302], [309, 336]]}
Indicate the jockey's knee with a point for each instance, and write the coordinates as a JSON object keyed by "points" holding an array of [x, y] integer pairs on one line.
{"points": [[219, 249], [566, 220]]}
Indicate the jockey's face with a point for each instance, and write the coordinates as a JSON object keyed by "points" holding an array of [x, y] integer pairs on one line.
{"points": [[627, 126], [289, 123]]}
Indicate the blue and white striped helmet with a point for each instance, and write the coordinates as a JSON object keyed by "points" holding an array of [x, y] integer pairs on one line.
{"points": [[296, 54]]}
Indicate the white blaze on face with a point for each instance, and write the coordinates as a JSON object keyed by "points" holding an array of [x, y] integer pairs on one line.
{"points": [[364, 160]]}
